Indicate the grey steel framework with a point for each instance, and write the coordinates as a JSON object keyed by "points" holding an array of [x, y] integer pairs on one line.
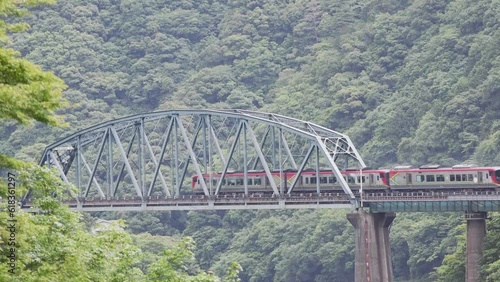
{"points": [[477, 201], [154, 156]]}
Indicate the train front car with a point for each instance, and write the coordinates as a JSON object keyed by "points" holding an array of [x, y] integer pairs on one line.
{"points": [[496, 178], [436, 178]]}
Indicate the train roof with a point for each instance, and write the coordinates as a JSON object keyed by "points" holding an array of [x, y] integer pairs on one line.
{"points": [[398, 169], [304, 172], [445, 169]]}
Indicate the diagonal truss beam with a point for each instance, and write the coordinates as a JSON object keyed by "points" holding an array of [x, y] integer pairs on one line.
{"points": [[126, 162], [162, 153], [261, 157], [190, 147], [118, 180], [231, 151], [84, 161], [96, 163], [192, 154], [155, 163], [65, 179], [334, 168], [301, 169]]}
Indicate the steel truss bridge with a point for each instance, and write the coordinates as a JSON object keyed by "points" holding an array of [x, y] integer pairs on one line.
{"points": [[147, 161]]}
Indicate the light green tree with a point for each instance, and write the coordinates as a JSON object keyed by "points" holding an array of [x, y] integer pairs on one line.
{"points": [[26, 91]]}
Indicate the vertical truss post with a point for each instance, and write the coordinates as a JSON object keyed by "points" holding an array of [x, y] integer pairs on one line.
{"points": [[317, 170], [127, 164], [245, 155], [140, 155], [262, 159], [176, 155], [78, 163], [110, 162], [282, 181], [205, 164], [210, 159], [273, 154]]}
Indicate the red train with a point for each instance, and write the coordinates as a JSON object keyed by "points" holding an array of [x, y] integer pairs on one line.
{"points": [[425, 178]]}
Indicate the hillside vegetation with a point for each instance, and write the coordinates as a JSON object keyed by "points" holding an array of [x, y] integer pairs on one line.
{"points": [[411, 82]]}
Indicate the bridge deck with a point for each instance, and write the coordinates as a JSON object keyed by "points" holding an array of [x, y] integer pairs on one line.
{"points": [[375, 202]]}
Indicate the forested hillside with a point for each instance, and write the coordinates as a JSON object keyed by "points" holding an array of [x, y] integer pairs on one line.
{"points": [[411, 82]]}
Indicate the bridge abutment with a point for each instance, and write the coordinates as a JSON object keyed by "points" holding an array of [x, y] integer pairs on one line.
{"points": [[372, 251], [476, 233]]}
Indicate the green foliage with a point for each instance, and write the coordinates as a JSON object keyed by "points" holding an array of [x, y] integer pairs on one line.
{"points": [[26, 92], [176, 265], [29, 92], [411, 82], [54, 244]]}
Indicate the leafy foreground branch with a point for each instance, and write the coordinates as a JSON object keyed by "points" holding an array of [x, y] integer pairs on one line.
{"points": [[56, 245]]}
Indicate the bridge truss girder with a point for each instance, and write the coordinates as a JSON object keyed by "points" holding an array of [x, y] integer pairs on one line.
{"points": [[151, 154]]}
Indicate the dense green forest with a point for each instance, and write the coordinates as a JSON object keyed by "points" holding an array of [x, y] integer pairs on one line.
{"points": [[411, 82]]}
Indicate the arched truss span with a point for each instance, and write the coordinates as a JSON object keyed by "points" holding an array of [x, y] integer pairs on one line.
{"points": [[159, 153]]}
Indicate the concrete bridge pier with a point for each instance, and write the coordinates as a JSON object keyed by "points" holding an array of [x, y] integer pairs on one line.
{"points": [[373, 253], [476, 233]]}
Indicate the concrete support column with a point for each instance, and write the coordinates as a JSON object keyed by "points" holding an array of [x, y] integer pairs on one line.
{"points": [[476, 232], [373, 253]]}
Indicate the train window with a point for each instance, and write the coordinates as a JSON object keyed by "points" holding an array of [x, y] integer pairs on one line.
{"points": [[486, 175], [313, 180], [231, 182], [497, 174], [440, 178], [378, 178], [249, 181], [323, 180], [350, 179], [214, 182], [257, 181], [332, 179], [464, 177], [239, 181], [224, 181], [420, 178], [429, 178], [470, 177], [458, 177], [307, 180], [452, 177], [362, 178]]}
